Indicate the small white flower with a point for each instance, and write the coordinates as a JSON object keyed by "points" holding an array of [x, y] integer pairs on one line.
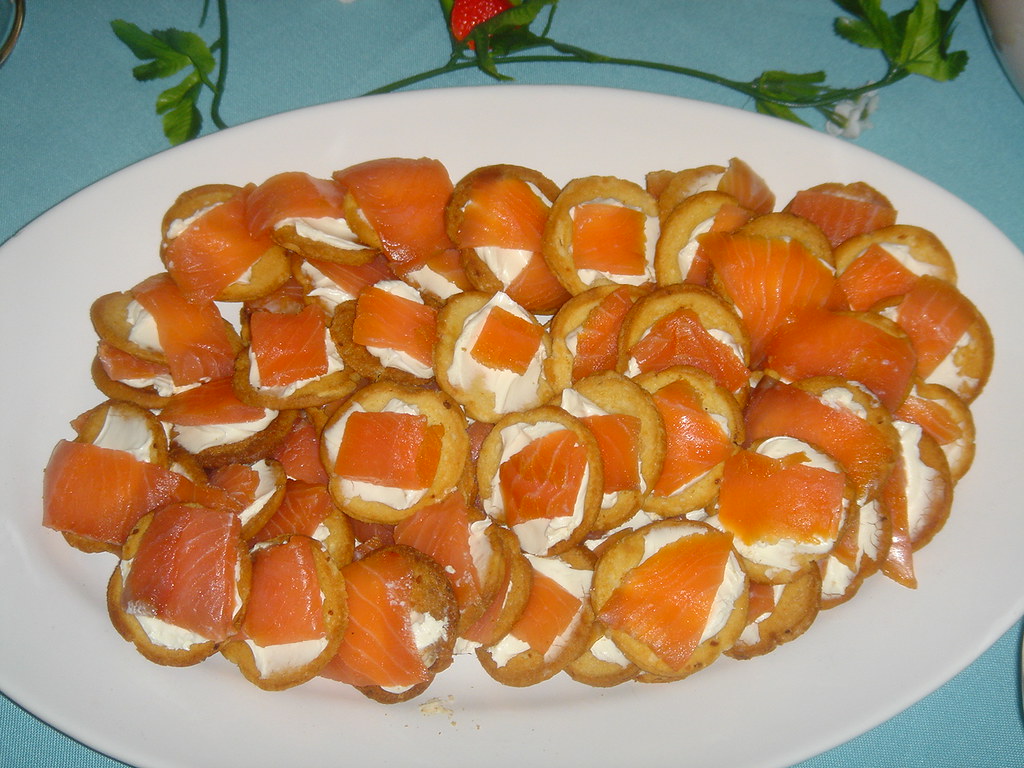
{"points": [[850, 117]]}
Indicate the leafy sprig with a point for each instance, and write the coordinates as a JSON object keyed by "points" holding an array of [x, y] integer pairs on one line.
{"points": [[913, 42], [168, 52]]}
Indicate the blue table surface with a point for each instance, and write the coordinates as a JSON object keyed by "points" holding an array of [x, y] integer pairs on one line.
{"points": [[70, 114]]}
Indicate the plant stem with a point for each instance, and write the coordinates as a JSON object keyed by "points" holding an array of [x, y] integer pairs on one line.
{"points": [[222, 66], [573, 53]]}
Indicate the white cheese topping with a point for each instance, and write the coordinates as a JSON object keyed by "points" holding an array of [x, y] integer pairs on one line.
{"points": [[142, 327], [433, 282], [196, 439], [512, 391], [176, 227], [124, 433], [689, 250], [265, 488], [272, 659], [327, 230], [505, 263], [904, 254], [325, 289], [922, 480]]}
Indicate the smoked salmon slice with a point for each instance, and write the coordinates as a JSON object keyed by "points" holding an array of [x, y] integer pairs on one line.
{"points": [[215, 250], [544, 478], [618, 438], [214, 402], [550, 610], [536, 288], [507, 342], [748, 188], [303, 509], [351, 279], [768, 280], [857, 347], [299, 452], [101, 493], [123, 366], [609, 238], [385, 319], [679, 338], [444, 531], [183, 571], [193, 334], [292, 194], [766, 499], [404, 201], [863, 448], [695, 441], [288, 347], [394, 450], [502, 211], [597, 343], [285, 600], [936, 315], [378, 647], [842, 211], [666, 600], [874, 275]]}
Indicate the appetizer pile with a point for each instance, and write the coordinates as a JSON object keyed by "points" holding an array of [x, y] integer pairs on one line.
{"points": [[357, 425]]}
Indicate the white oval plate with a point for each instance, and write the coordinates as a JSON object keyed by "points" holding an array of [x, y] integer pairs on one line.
{"points": [[857, 666]]}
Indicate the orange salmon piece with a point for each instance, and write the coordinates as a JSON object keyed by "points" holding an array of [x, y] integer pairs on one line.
{"points": [[597, 345], [899, 561], [214, 402], [543, 479], [536, 288], [299, 453], [285, 601], [101, 493], [549, 611], [666, 600], [192, 334], [395, 450], [728, 218], [288, 347], [932, 417], [823, 343], [680, 338], [861, 448], [609, 238], [695, 441], [442, 530], [404, 201], [874, 275], [769, 280], [303, 508], [239, 483], [288, 297], [184, 570], [385, 319], [378, 647], [503, 211], [618, 437], [935, 314], [354, 278], [761, 600], [507, 342], [123, 366], [749, 189], [766, 499], [842, 212], [215, 250], [292, 194]]}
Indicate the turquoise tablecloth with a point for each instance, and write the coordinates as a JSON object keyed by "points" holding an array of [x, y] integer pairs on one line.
{"points": [[71, 114]]}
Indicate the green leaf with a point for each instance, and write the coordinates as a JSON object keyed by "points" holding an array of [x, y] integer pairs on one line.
{"points": [[190, 45], [142, 44], [182, 123], [926, 36], [187, 90], [871, 27], [778, 110]]}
